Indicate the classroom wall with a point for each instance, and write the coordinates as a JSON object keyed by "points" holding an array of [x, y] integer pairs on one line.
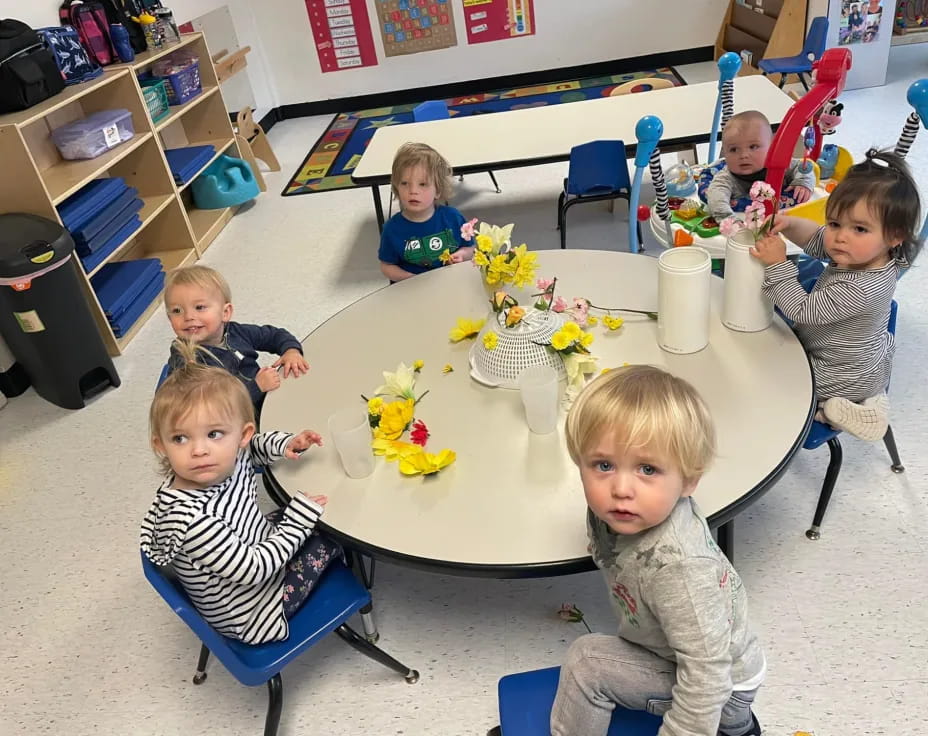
{"points": [[284, 69]]}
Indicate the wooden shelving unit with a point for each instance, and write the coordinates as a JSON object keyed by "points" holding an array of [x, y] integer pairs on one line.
{"points": [[769, 29], [173, 229]]}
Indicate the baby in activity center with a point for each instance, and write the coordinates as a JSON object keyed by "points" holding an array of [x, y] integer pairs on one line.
{"points": [[199, 305], [423, 235], [246, 574], [871, 236], [684, 649], [745, 141]]}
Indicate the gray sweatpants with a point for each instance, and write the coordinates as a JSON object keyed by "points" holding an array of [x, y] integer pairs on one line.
{"points": [[602, 671]]}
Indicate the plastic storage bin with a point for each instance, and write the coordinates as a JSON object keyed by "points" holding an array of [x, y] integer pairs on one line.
{"points": [[181, 75], [44, 317], [94, 135], [156, 98]]}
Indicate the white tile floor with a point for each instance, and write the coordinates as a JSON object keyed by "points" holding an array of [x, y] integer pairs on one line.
{"points": [[88, 648]]}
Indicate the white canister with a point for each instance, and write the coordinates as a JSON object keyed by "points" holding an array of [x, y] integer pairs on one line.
{"points": [[683, 285], [745, 308]]}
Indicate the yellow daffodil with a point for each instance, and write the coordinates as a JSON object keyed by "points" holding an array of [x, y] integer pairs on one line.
{"points": [[592, 321], [523, 266], [480, 258], [401, 383], [499, 236], [375, 406], [514, 316], [445, 257], [587, 339], [426, 463], [560, 341], [571, 330], [393, 449], [448, 368], [604, 371], [499, 270], [484, 244], [418, 365], [465, 328], [394, 418], [490, 340], [578, 365], [613, 323]]}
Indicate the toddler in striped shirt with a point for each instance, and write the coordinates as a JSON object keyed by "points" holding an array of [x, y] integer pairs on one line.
{"points": [[246, 575], [870, 237]]}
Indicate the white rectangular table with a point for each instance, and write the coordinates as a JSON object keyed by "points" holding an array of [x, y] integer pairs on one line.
{"points": [[540, 135]]}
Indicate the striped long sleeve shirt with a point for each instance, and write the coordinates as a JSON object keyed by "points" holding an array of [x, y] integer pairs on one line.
{"points": [[229, 558], [842, 323]]}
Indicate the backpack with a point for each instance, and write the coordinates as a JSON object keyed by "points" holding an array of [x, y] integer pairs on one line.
{"points": [[28, 73], [123, 11], [93, 28], [72, 60]]}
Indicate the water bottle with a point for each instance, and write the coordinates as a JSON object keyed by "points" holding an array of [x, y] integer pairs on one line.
{"points": [[168, 26], [120, 37]]}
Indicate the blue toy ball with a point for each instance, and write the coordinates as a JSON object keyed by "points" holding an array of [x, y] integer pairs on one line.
{"points": [[227, 182]]}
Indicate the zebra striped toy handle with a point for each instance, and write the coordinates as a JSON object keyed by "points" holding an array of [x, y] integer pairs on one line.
{"points": [[917, 97], [648, 131], [729, 64]]}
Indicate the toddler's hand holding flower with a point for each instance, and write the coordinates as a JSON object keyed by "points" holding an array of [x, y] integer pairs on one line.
{"points": [[769, 250]]}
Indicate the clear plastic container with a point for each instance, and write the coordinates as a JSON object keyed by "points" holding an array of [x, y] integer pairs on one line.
{"points": [[94, 135]]}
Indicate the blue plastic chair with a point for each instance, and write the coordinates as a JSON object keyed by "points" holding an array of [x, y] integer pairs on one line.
{"points": [[337, 596], [801, 64], [598, 171], [525, 701], [165, 372], [821, 433]]}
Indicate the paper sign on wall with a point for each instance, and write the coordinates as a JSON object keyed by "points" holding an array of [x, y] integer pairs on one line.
{"points": [[341, 33], [410, 26], [495, 20]]}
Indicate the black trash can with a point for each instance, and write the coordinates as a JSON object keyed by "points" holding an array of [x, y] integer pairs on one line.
{"points": [[44, 317]]}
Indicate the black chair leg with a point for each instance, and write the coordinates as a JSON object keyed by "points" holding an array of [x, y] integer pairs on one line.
{"points": [[831, 477], [890, 441], [201, 665], [353, 639], [725, 535], [562, 212], [275, 702], [495, 184], [782, 81], [802, 78]]}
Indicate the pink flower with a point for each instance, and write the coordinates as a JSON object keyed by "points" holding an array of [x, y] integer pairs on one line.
{"points": [[761, 190], [543, 284], [730, 225], [467, 229], [559, 305]]}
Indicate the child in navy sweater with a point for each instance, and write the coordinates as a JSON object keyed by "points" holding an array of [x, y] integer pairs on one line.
{"points": [[199, 305]]}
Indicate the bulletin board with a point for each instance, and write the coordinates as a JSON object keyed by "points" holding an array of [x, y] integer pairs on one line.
{"points": [[411, 26], [496, 20], [341, 34]]}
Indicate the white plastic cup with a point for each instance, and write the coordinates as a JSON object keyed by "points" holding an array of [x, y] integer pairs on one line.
{"points": [[351, 435], [745, 308], [683, 286], [538, 388]]}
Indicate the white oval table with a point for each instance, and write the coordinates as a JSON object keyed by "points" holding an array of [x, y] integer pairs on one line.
{"points": [[512, 504]]}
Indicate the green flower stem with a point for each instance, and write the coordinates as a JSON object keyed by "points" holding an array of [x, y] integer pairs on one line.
{"points": [[650, 315]]}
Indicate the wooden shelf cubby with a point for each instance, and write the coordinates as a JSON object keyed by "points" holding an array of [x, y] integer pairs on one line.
{"points": [[769, 29], [173, 229]]}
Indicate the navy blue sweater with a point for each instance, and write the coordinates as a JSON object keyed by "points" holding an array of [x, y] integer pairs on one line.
{"points": [[238, 352]]}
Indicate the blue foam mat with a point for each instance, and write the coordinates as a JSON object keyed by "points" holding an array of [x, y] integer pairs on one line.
{"points": [[95, 259], [81, 206], [129, 317], [101, 239], [186, 162], [116, 284], [89, 230]]}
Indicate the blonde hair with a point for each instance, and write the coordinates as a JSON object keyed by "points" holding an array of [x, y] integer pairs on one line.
{"points": [[644, 407], [194, 385], [743, 119], [436, 167], [202, 276]]}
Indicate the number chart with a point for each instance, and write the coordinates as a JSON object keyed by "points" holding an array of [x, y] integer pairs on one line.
{"points": [[411, 26], [496, 20]]}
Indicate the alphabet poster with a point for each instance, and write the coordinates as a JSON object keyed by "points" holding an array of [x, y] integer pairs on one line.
{"points": [[411, 26], [496, 20], [341, 34]]}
